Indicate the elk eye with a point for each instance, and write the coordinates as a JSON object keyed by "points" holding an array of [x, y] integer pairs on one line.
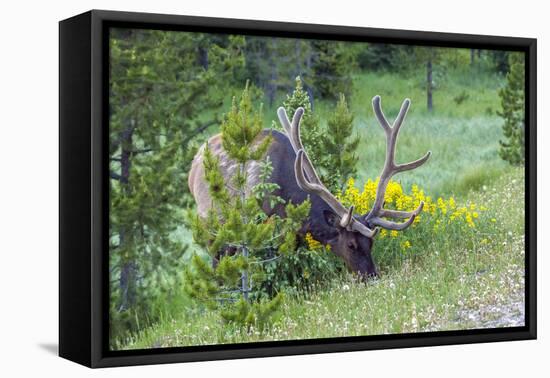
{"points": [[351, 245]]}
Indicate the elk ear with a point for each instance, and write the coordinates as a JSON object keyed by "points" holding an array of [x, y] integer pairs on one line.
{"points": [[330, 218]]}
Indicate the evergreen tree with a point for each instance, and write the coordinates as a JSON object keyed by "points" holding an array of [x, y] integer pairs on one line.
{"points": [[159, 91], [273, 63], [236, 232], [310, 130], [379, 57], [340, 145], [332, 65], [512, 98], [331, 148], [499, 60]]}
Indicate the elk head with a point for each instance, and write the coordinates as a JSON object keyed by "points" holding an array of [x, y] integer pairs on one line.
{"points": [[352, 235]]}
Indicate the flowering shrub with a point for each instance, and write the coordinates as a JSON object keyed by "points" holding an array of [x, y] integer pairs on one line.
{"points": [[440, 217], [443, 211]]}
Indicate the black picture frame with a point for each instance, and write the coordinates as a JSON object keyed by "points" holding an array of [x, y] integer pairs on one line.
{"points": [[83, 193]]}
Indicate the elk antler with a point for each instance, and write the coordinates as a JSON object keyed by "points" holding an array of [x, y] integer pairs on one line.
{"points": [[377, 213], [308, 179]]}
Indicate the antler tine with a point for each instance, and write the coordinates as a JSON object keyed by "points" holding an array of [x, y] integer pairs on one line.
{"points": [[292, 129], [409, 215], [374, 217], [347, 219], [402, 114], [293, 133], [401, 214], [413, 164], [389, 225], [380, 114], [295, 127], [283, 118]]}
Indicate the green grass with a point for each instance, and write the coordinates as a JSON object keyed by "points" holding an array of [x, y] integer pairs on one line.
{"points": [[458, 146], [460, 137], [463, 137], [436, 290]]}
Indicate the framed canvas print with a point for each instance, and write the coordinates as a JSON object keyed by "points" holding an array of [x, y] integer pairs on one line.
{"points": [[234, 188]]}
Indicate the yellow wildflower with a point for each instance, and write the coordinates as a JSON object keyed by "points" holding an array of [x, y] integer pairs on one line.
{"points": [[441, 211], [452, 203], [312, 243], [469, 220], [442, 205]]}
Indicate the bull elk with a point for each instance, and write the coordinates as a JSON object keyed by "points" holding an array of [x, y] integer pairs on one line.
{"points": [[350, 235]]}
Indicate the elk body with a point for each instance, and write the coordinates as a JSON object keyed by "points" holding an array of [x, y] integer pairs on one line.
{"points": [[350, 235]]}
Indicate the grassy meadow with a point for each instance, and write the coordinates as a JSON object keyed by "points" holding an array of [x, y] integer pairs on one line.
{"points": [[454, 281], [449, 287]]}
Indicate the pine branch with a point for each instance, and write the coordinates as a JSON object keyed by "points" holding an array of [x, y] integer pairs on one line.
{"points": [[198, 130], [136, 152], [116, 176], [266, 260]]}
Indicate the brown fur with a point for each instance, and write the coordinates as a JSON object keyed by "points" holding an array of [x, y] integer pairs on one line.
{"points": [[198, 185]]}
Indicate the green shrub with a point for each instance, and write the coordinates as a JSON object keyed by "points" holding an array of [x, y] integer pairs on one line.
{"points": [[302, 269], [236, 232]]}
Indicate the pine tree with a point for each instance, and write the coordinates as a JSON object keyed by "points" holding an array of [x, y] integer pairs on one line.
{"points": [[379, 57], [331, 148], [310, 130], [512, 98], [158, 93], [340, 145], [236, 232], [273, 63], [332, 65]]}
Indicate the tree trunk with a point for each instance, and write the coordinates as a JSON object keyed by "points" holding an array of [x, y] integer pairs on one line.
{"points": [[244, 277], [203, 57], [472, 57], [127, 282], [273, 77], [309, 91], [429, 84], [128, 269]]}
